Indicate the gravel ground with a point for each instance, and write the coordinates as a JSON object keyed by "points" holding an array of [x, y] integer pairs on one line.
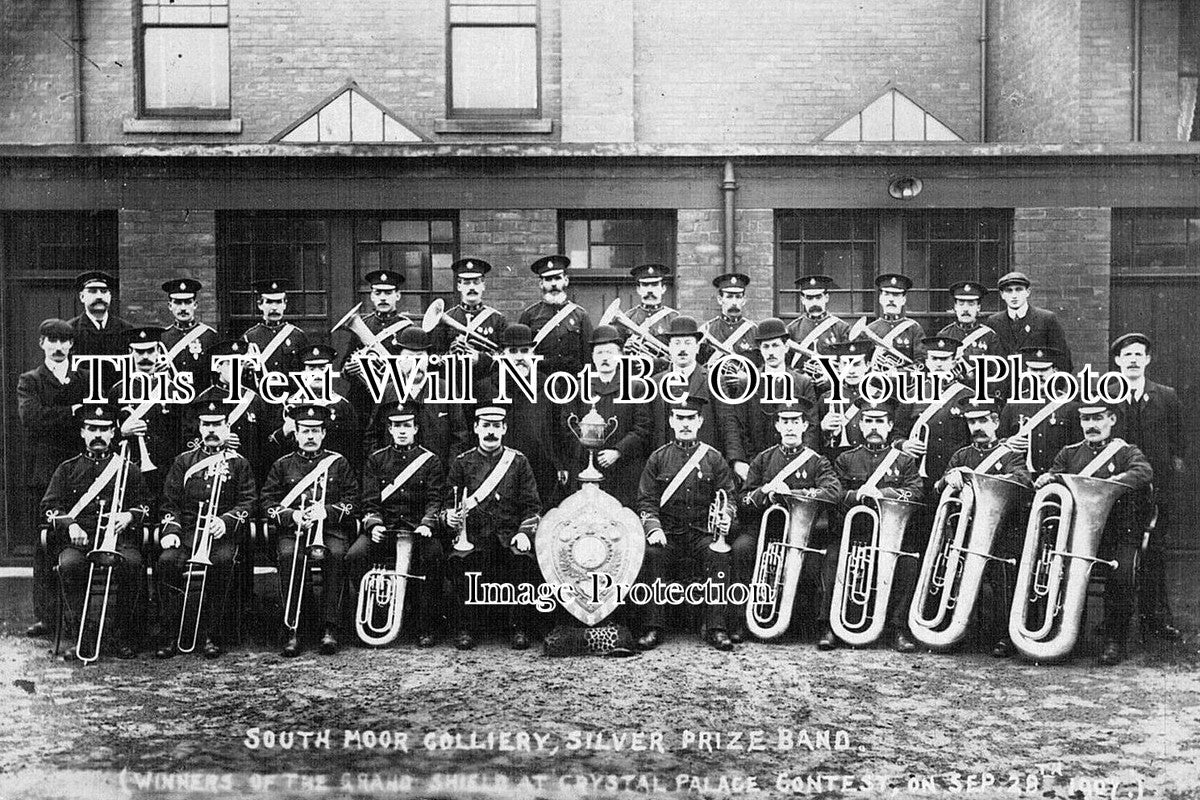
{"points": [[775, 720]]}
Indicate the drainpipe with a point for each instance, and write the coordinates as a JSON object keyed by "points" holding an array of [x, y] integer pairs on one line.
{"points": [[77, 62], [1136, 78], [983, 84], [728, 187]]}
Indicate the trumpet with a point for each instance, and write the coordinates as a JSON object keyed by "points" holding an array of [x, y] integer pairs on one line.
{"points": [[1061, 541], [381, 595], [312, 545], [201, 557], [843, 438], [718, 514], [783, 537], [613, 315], [105, 556], [921, 432], [960, 544], [436, 315], [462, 545], [866, 565]]}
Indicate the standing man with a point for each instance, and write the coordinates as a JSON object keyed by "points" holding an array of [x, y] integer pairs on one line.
{"points": [[977, 339], [892, 332], [839, 418], [187, 340], [470, 275], [492, 495], [97, 330], [1039, 428], [1100, 455], [1152, 420], [730, 329], [684, 378], [276, 343], [186, 495], [308, 490], [45, 396], [561, 329], [343, 432], [152, 425], [246, 414], [384, 321], [1021, 325], [677, 488], [816, 328], [652, 313]]}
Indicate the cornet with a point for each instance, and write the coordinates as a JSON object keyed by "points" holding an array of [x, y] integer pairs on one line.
{"points": [[462, 545], [718, 514], [381, 595], [106, 556]]}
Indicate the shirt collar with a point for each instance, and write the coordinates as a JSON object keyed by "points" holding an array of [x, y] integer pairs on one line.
{"points": [[1017, 316]]}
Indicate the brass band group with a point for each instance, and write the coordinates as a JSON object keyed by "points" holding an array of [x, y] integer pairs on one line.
{"points": [[910, 523]]}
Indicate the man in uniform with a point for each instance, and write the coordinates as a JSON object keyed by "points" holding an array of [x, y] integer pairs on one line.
{"points": [[899, 334], [97, 331], [384, 321], [816, 328], [342, 432], [186, 339], [677, 487], [470, 275], [977, 339], [245, 430], [875, 470], [1152, 419], [276, 342], [729, 331], [561, 329], [1100, 455], [45, 396], [403, 485], [187, 492], [79, 506], [308, 490], [788, 469], [839, 418], [500, 517], [652, 314], [153, 421], [1021, 325], [685, 378], [985, 455], [1043, 427]]}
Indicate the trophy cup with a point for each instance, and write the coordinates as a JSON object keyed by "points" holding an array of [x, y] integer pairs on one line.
{"points": [[592, 432]]}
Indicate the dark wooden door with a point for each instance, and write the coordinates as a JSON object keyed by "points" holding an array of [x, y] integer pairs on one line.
{"points": [[1168, 310]]}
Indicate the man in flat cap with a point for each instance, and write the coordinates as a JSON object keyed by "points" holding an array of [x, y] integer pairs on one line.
{"points": [[384, 322], [1022, 325], [187, 339], [815, 328], [897, 337], [45, 396], [561, 329], [1152, 419]]}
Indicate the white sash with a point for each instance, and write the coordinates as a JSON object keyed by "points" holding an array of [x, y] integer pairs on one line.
{"points": [[483, 316], [881, 470], [890, 338], [492, 480], [308, 480], [205, 463], [974, 336], [689, 466], [405, 475], [1102, 458], [107, 474], [275, 343], [936, 406], [189, 337], [809, 341], [240, 409], [554, 322], [795, 464], [656, 316], [736, 336], [396, 326]]}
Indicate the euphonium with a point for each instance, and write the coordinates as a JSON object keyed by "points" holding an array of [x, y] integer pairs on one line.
{"points": [[1061, 541], [717, 511], [354, 323], [783, 538], [381, 595], [866, 565], [436, 315], [960, 545], [647, 341], [106, 556], [202, 559]]}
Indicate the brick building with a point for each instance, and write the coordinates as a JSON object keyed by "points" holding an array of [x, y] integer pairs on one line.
{"points": [[228, 139]]}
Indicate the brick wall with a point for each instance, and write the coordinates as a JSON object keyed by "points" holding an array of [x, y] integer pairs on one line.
{"points": [[1066, 254], [597, 64], [699, 256], [36, 84], [754, 254], [1160, 70], [155, 246], [510, 241], [1033, 71]]}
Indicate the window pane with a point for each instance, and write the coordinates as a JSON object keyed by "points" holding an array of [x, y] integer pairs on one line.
{"points": [[1151, 230], [617, 230], [442, 231], [187, 68], [575, 233], [397, 230], [494, 67]]}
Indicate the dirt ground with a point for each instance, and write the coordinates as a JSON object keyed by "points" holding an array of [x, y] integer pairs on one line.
{"points": [[767, 720]]}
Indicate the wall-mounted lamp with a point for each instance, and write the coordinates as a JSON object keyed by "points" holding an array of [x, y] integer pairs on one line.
{"points": [[905, 188]]}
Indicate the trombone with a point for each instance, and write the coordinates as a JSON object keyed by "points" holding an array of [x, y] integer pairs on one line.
{"points": [[718, 514], [313, 547], [106, 556], [201, 558], [436, 315], [649, 343], [381, 593]]}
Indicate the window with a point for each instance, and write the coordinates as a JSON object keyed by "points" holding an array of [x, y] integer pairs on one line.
{"points": [[1189, 72], [934, 248], [609, 244], [1156, 242], [184, 52], [493, 58], [422, 250]]}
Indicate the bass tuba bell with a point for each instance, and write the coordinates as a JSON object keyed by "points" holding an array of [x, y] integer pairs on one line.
{"points": [[783, 538], [872, 534], [1061, 542], [381, 595], [960, 545]]}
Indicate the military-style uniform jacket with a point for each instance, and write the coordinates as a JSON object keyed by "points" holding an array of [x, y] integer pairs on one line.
{"points": [[657, 320], [1039, 328], [687, 509], [186, 488], [51, 430], [722, 328], [512, 507], [855, 467], [492, 326], [749, 427], [908, 341], [831, 443], [1128, 465], [1010, 465], [947, 430], [163, 422], [712, 432], [816, 473], [984, 345], [342, 433], [536, 430], [248, 427], [360, 396], [1053, 434], [802, 326], [284, 359], [443, 427], [192, 358], [341, 496], [72, 480], [416, 502], [566, 347]]}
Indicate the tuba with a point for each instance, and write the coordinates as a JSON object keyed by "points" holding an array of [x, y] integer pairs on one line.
{"points": [[783, 538], [871, 537], [1061, 541], [381, 595], [189, 630], [960, 545], [106, 556]]}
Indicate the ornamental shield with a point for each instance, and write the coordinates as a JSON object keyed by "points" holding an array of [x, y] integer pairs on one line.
{"points": [[591, 543]]}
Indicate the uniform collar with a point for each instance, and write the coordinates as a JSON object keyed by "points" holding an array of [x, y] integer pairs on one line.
{"points": [[984, 448], [687, 447], [177, 326], [312, 456], [650, 309], [728, 320], [872, 448], [492, 455], [404, 450], [819, 318], [475, 309], [892, 317], [274, 327], [791, 451], [99, 458], [210, 451], [1098, 446]]}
